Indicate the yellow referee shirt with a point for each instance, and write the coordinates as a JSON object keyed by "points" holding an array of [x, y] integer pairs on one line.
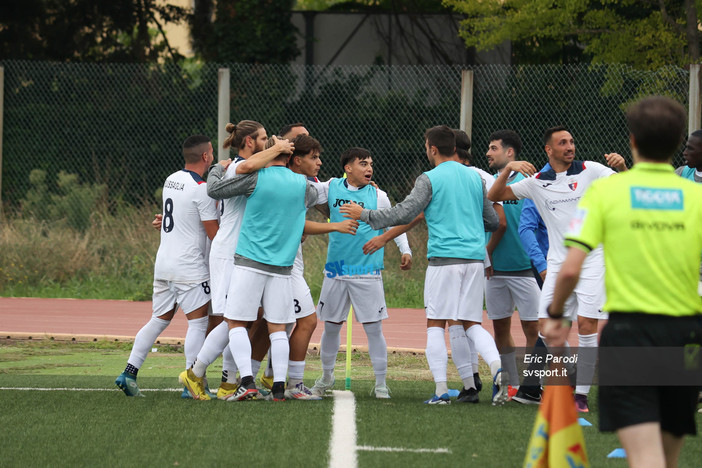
{"points": [[649, 221]]}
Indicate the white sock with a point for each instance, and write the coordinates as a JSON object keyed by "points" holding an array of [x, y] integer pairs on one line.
{"points": [[329, 348], [437, 358], [228, 364], [296, 372], [214, 344], [194, 337], [144, 340], [509, 365], [240, 346], [378, 351], [280, 354], [485, 345], [255, 367], [461, 355], [474, 356], [586, 362]]}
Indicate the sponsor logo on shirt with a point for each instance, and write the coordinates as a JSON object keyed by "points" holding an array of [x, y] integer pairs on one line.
{"points": [[341, 201], [339, 268], [645, 198], [551, 204]]}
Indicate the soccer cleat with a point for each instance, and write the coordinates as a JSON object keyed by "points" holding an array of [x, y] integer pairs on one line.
{"points": [[382, 392], [499, 391], [245, 392], [194, 384], [468, 396], [127, 383], [439, 400], [300, 392], [528, 395], [321, 387], [478, 382], [511, 391], [581, 403], [266, 382], [278, 391], [186, 394], [226, 390]]}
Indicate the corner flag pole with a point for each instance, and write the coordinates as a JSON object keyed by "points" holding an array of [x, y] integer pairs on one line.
{"points": [[349, 327]]}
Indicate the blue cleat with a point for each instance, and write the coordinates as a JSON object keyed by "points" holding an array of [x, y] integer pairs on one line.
{"points": [[127, 383], [439, 400]]}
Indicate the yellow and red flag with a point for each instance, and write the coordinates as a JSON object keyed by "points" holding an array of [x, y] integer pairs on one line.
{"points": [[557, 439]]}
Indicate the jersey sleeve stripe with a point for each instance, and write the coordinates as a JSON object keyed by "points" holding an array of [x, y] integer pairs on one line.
{"points": [[578, 244]]}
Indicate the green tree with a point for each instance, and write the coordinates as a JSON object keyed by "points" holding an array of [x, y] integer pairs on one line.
{"points": [[646, 34], [87, 31], [244, 31]]}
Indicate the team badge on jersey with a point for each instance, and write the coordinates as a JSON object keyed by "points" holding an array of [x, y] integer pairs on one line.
{"points": [[573, 185]]}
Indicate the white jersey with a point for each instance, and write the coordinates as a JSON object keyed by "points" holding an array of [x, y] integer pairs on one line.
{"points": [[181, 255], [232, 212], [556, 196], [298, 268], [488, 178]]}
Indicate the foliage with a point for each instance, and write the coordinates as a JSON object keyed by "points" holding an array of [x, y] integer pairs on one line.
{"points": [[85, 30], [245, 31], [645, 35]]}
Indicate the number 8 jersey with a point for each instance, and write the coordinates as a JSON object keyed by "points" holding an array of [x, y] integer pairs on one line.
{"points": [[182, 253]]}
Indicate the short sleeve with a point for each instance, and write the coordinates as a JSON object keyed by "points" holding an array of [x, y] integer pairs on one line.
{"points": [[523, 188], [206, 206]]}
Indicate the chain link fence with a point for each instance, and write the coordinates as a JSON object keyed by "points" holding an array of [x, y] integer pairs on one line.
{"points": [[119, 127]]}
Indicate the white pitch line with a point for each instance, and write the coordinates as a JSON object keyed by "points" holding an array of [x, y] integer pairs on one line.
{"points": [[64, 389], [368, 448], [342, 445]]}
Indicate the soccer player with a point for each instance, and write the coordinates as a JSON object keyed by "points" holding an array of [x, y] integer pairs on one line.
{"points": [[512, 282], [273, 224], [352, 278], [472, 384], [650, 224], [457, 212], [291, 131], [693, 171], [249, 138], [305, 160], [181, 274], [555, 193]]}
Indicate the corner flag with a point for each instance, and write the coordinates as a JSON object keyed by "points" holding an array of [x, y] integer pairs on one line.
{"points": [[557, 438]]}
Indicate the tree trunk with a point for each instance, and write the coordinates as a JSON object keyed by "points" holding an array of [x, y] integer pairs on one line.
{"points": [[693, 35]]}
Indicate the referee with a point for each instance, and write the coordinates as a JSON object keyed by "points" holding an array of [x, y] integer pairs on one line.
{"points": [[649, 221]]}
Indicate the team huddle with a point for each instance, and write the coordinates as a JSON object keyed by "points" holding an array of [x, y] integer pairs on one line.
{"points": [[496, 240]]}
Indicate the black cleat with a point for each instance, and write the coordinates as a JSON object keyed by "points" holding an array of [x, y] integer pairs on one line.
{"points": [[528, 395], [468, 396], [478, 382]]}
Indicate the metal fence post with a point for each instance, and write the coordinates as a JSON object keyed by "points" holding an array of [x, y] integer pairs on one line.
{"points": [[695, 105], [467, 102], [222, 111]]}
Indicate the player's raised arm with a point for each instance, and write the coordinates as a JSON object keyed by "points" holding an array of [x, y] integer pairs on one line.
{"points": [[500, 191]]}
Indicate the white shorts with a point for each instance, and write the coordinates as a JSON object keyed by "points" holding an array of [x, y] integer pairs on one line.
{"points": [[189, 296], [503, 293], [302, 297], [365, 294], [586, 300], [454, 292], [220, 276], [253, 288]]}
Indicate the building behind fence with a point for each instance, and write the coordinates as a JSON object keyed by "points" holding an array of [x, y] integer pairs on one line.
{"points": [[120, 126]]}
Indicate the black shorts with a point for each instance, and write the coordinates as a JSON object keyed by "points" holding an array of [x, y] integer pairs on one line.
{"points": [[674, 408]]}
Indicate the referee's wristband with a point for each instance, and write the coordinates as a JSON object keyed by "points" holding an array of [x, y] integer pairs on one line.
{"points": [[551, 315]]}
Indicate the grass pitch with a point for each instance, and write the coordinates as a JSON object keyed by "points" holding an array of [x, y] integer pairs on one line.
{"points": [[99, 426]]}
